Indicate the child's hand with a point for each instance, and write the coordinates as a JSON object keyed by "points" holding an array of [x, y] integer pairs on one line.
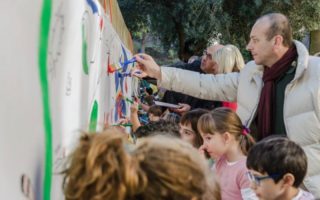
{"points": [[202, 150], [137, 100], [134, 108], [122, 121]]}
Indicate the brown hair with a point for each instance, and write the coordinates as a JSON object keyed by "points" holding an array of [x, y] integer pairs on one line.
{"points": [[105, 167], [161, 127], [222, 120], [155, 110], [279, 25], [192, 118]]}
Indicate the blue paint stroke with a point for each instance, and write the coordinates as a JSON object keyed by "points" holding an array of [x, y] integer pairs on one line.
{"points": [[93, 6], [132, 60], [125, 66], [120, 105], [117, 80], [125, 74], [123, 108]]}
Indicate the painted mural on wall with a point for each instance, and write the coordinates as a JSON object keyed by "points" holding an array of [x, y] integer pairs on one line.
{"points": [[68, 73]]}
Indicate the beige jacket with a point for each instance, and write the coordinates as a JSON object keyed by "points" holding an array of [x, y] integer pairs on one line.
{"points": [[301, 103]]}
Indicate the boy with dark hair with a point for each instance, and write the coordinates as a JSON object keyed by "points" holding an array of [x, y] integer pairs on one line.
{"points": [[160, 127], [277, 167], [154, 113]]}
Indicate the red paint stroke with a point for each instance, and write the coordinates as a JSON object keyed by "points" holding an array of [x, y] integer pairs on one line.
{"points": [[119, 109], [126, 85], [101, 23], [113, 67], [105, 5], [110, 4], [119, 98], [108, 64]]}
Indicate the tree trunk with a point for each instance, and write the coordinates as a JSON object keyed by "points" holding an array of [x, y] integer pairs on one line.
{"points": [[314, 42], [143, 42], [181, 38]]}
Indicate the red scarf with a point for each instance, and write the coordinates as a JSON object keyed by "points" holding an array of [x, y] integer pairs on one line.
{"points": [[266, 103]]}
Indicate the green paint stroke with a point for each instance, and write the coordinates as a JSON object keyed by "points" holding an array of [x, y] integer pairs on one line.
{"points": [[94, 117], [42, 59], [85, 65]]}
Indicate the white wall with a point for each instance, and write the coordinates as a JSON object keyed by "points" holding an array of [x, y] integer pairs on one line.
{"points": [[73, 92]]}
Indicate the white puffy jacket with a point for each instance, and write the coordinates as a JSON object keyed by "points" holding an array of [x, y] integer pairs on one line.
{"points": [[301, 104]]}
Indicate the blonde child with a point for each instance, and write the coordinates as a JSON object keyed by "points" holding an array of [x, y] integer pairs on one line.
{"points": [[105, 167], [228, 142]]}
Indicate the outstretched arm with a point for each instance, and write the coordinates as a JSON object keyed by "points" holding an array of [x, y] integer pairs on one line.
{"points": [[134, 118], [221, 87], [148, 66]]}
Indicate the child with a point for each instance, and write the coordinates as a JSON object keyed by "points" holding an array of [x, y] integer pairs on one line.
{"points": [[105, 167], [227, 141], [188, 127], [171, 117], [277, 169], [160, 127], [154, 113]]}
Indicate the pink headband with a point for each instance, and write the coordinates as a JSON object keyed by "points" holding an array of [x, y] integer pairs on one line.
{"points": [[245, 130]]}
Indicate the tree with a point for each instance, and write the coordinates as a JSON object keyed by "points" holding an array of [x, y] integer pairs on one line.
{"points": [[188, 24], [234, 19], [185, 24], [136, 20]]}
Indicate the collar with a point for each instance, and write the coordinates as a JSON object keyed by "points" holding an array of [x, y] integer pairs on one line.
{"points": [[302, 62]]}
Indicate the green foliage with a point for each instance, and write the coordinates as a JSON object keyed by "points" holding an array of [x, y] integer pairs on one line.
{"points": [[185, 24], [191, 23], [135, 18], [234, 19]]}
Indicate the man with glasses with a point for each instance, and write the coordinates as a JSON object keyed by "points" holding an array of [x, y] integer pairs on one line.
{"points": [[277, 93], [281, 171], [208, 65]]}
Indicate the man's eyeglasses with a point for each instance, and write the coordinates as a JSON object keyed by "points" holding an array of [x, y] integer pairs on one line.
{"points": [[208, 55], [257, 179]]}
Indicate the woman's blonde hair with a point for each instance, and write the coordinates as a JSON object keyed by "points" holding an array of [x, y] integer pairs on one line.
{"points": [[105, 167], [222, 120], [229, 59]]}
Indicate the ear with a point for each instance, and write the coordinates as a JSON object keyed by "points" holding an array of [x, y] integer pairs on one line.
{"points": [[278, 41], [288, 180], [226, 136]]}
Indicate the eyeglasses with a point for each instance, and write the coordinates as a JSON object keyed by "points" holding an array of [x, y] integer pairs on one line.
{"points": [[257, 179], [208, 55]]}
